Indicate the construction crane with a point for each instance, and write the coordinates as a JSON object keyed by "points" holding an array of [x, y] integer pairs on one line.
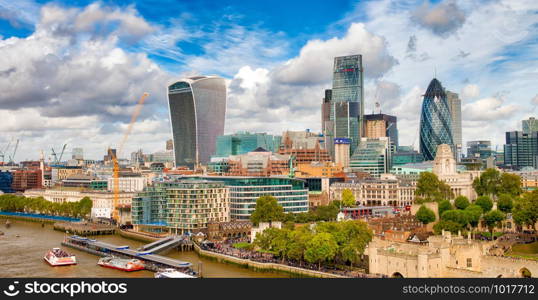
{"points": [[58, 159], [62, 154], [3, 152], [116, 167], [12, 156]]}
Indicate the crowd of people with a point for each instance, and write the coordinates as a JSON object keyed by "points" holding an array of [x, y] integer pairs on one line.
{"points": [[227, 248]]}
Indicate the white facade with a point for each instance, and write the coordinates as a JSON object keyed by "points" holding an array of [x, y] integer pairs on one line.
{"points": [[128, 184]]}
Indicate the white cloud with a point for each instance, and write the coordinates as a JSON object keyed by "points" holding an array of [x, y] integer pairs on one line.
{"points": [[442, 18], [534, 100], [470, 91], [316, 58], [488, 109]]}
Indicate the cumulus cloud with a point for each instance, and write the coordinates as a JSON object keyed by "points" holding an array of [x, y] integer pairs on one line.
{"points": [[489, 109], [316, 58], [470, 91], [442, 19], [534, 100]]}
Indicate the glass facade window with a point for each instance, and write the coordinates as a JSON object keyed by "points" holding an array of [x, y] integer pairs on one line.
{"points": [[521, 150], [197, 111], [435, 121]]}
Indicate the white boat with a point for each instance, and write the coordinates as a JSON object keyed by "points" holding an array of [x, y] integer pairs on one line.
{"points": [[172, 273], [122, 264], [58, 257]]}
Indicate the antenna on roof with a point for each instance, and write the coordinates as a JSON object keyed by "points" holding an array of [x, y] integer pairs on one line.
{"points": [[435, 72]]}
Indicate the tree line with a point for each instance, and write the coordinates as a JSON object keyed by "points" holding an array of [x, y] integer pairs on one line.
{"points": [[39, 205]]}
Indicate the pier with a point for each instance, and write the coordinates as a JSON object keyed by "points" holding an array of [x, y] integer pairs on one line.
{"points": [[152, 262], [84, 229]]}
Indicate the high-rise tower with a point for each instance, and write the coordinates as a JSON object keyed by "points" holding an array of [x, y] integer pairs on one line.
{"points": [[454, 105], [435, 121], [346, 102], [197, 111]]}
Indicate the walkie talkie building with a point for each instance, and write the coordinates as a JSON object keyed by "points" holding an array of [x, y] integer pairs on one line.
{"points": [[435, 121], [197, 110]]}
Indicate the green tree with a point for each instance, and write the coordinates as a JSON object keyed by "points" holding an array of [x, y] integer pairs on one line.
{"points": [[493, 219], [322, 247], [447, 225], [474, 212], [267, 210], [510, 184], [348, 199], [484, 202], [443, 206], [525, 211], [425, 215], [505, 203], [461, 202], [430, 188], [456, 215], [487, 183]]}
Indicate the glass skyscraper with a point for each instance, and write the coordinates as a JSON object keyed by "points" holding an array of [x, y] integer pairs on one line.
{"points": [[346, 101], [435, 121], [529, 125], [521, 150], [243, 142], [197, 111]]}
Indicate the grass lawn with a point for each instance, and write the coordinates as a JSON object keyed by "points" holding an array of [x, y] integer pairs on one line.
{"points": [[531, 248]]}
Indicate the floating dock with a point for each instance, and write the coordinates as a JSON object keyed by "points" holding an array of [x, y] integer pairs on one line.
{"points": [[84, 229], [153, 262]]}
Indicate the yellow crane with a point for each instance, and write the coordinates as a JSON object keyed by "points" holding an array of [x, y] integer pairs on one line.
{"points": [[116, 167]]}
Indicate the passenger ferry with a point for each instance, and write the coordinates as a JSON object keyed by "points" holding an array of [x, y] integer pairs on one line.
{"points": [[172, 273], [58, 257], [122, 264]]}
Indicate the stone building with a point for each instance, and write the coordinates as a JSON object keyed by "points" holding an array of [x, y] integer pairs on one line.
{"points": [[443, 256], [217, 231]]}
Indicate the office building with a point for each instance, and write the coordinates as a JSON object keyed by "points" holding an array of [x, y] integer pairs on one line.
{"points": [[435, 121], [26, 179], [382, 125], [258, 162], [128, 184], [346, 102], [454, 105], [327, 126], [197, 111], [521, 150], [6, 179], [529, 125], [341, 152], [170, 144], [78, 154], [373, 156], [110, 154], [479, 149], [244, 142], [304, 146], [406, 155]]}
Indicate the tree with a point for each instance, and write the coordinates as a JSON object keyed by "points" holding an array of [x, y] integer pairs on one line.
{"points": [[484, 202], [431, 188], [505, 203], [267, 210], [322, 247], [510, 184], [425, 215], [447, 225], [474, 212], [461, 202], [444, 206], [525, 211], [486, 184], [348, 199], [456, 215], [493, 219]]}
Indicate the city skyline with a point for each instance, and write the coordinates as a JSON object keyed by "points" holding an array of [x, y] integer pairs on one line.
{"points": [[276, 73]]}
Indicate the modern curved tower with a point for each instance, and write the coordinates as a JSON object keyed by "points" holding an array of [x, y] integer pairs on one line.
{"points": [[197, 110], [435, 121]]}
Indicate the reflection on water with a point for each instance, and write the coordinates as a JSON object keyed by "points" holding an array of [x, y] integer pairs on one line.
{"points": [[23, 256]]}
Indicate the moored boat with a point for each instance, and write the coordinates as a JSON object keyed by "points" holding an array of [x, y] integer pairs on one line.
{"points": [[172, 273], [58, 257], [123, 264]]}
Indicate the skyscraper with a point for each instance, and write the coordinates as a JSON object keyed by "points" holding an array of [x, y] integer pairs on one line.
{"points": [[435, 121], [346, 108], [529, 125], [454, 105], [372, 156], [382, 125], [197, 110], [521, 150]]}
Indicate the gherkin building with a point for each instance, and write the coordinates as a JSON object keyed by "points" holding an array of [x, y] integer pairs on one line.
{"points": [[435, 121]]}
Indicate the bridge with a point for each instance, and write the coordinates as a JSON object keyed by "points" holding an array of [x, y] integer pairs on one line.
{"points": [[166, 243]]}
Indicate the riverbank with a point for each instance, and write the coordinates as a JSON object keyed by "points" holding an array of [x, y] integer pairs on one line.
{"points": [[35, 217], [259, 266]]}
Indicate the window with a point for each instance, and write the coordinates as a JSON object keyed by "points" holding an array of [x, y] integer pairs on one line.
{"points": [[469, 262]]}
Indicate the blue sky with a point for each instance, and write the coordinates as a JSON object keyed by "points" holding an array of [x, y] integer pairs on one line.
{"points": [[71, 71]]}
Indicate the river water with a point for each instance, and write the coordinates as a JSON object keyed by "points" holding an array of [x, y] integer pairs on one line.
{"points": [[23, 256]]}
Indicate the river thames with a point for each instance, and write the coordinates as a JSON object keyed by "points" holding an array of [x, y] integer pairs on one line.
{"points": [[22, 256]]}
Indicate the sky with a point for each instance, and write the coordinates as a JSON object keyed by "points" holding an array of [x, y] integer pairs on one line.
{"points": [[71, 72]]}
